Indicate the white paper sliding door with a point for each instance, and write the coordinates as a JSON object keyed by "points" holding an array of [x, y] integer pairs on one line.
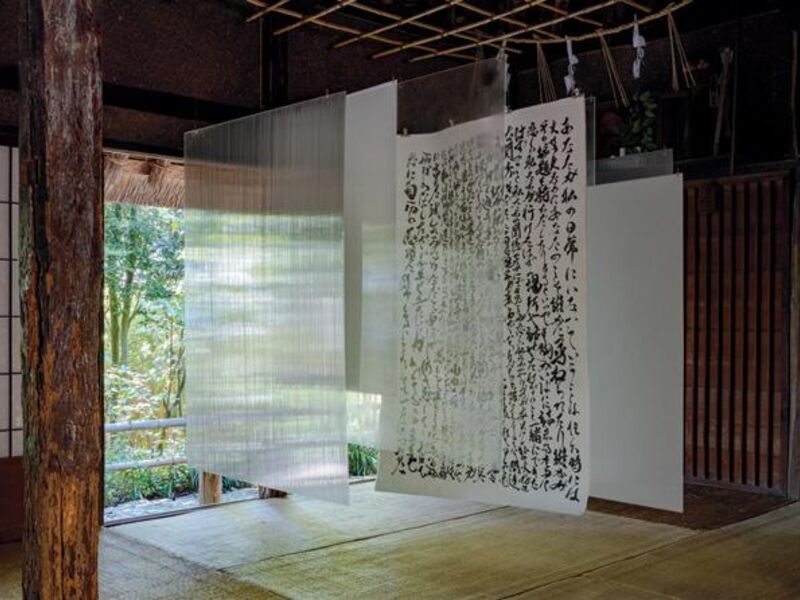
{"points": [[265, 299], [636, 341]]}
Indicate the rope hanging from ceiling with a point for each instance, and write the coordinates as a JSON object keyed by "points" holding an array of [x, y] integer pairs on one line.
{"points": [[473, 37], [547, 90], [614, 79], [677, 50]]}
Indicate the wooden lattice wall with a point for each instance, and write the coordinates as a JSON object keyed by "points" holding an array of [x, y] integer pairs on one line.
{"points": [[737, 293]]}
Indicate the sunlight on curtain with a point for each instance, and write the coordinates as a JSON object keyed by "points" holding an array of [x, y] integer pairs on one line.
{"points": [[265, 299]]}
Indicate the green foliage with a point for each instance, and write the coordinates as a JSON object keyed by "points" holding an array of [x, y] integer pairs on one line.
{"points": [[639, 128], [143, 345], [144, 353], [362, 460], [157, 482]]}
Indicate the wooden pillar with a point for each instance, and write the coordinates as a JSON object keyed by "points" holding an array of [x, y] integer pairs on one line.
{"points": [[793, 487], [210, 488], [61, 271], [265, 493]]}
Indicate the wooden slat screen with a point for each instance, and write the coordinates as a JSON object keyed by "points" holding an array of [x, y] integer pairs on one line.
{"points": [[737, 241]]}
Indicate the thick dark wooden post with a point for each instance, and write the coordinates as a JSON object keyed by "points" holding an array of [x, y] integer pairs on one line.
{"points": [[793, 487], [61, 229]]}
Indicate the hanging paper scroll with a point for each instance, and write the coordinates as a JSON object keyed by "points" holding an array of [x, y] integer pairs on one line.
{"points": [[546, 402], [492, 400], [264, 299], [441, 433]]}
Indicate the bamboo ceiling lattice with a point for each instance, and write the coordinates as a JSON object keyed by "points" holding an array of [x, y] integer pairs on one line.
{"points": [[462, 29]]}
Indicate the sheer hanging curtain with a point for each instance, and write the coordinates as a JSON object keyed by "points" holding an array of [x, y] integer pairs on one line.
{"points": [[265, 299]]}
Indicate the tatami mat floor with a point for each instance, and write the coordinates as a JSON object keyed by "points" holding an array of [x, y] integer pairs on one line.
{"points": [[396, 546]]}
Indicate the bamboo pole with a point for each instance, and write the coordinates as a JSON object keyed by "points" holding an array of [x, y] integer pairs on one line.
{"points": [[527, 4], [412, 19], [672, 7], [420, 24], [265, 11], [513, 34], [313, 18], [347, 29]]}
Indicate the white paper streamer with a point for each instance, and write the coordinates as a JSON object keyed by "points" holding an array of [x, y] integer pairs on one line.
{"points": [[264, 300], [639, 45], [572, 60]]}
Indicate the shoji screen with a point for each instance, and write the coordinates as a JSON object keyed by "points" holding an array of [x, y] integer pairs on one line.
{"points": [[10, 358], [265, 309]]}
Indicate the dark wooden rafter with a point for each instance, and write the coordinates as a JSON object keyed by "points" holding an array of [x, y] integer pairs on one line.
{"points": [[61, 269]]}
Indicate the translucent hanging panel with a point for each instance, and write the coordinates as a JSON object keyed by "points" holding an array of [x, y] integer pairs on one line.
{"points": [[370, 290], [265, 299], [442, 432]]}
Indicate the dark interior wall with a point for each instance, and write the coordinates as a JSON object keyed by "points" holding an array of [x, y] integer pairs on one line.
{"points": [[763, 46], [315, 67], [174, 65], [197, 48], [168, 66]]}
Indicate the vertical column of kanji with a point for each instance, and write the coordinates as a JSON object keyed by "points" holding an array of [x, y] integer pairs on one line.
{"points": [[61, 274]]}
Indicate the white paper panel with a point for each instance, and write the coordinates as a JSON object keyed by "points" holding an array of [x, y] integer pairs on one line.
{"points": [[443, 434], [265, 310], [493, 399], [636, 341], [370, 287]]}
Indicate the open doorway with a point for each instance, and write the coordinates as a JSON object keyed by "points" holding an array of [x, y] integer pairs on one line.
{"points": [[146, 469], [144, 343]]}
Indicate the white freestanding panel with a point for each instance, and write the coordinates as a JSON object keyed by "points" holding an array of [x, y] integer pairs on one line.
{"points": [[635, 239]]}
